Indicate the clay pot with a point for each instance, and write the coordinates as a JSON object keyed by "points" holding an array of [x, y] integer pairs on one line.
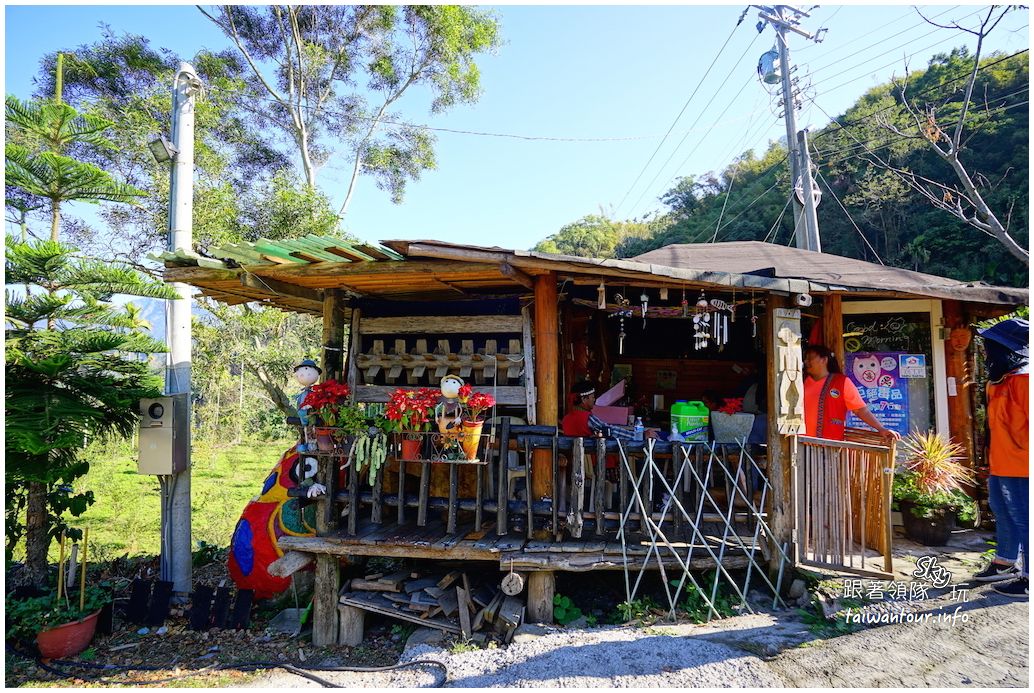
{"points": [[67, 639], [325, 439], [411, 447], [470, 437]]}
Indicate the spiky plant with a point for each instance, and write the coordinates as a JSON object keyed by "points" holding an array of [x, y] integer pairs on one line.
{"points": [[933, 476]]}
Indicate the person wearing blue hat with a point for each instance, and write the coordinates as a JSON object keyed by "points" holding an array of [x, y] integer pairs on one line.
{"points": [[1007, 351]]}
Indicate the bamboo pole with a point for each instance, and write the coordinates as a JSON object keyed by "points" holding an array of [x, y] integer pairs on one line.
{"points": [[82, 571], [61, 569]]}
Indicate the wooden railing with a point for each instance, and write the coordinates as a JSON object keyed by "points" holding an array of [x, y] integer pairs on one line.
{"points": [[843, 502]]}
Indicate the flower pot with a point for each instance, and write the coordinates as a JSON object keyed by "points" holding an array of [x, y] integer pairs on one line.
{"points": [[731, 428], [411, 447], [470, 437], [67, 639], [325, 439], [928, 531]]}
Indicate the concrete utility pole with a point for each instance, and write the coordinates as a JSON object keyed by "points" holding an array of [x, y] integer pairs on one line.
{"points": [[784, 18], [176, 538]]}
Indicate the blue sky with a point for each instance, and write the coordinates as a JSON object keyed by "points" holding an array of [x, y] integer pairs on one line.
{"points": [[617, 74]]}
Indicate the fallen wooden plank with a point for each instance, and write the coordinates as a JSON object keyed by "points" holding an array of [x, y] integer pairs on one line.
{"points": [[394, 579], [449, 603], [479, 620], [449, 579], [290, 563], [418, 585], [434, 591], [462, 598], [510, 612], [359, 585], [374, 576], [372, 602]]}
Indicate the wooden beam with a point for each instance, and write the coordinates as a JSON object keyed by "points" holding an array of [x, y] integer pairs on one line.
{"points": [[833, 325], [437, 324], [541, 588], [547, 381], [190, 275], [779, 447], [452, 270], [509, 395], [333, 333], [275, 286], [960, 411], [522, 278]]}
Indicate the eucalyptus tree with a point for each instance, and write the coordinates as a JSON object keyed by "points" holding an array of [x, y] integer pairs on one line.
{"points": [[329, 77]]}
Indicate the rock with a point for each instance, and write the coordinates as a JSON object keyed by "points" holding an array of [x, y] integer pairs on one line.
{"points": [[804, 600], [797, 588], [426, 636]]}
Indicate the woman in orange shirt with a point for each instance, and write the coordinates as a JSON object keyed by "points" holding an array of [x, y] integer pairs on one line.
{"points": [[1007, 350], [829, 395]]}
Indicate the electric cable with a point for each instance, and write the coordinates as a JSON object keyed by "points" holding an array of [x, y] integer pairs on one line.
{"points": [[684, 107], [771, 232], [848, 215]]}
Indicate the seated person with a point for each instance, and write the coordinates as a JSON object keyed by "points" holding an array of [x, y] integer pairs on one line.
{"points": [[581, 422]]}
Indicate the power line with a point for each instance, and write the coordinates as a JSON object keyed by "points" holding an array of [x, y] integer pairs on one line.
{"points": [[848, 215], [684, 107]]}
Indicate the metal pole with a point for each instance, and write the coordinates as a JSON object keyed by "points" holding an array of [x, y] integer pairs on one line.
{"points": [[811, 225], [791, 124], [177, 565]]}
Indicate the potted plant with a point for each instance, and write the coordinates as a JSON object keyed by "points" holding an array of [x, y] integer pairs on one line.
{"points": [[409, 413], [475, 406], [337, 417], [928, 489], [59, 627]]}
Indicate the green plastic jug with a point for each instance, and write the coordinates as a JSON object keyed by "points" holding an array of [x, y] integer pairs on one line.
{"points": [[691, 419]]}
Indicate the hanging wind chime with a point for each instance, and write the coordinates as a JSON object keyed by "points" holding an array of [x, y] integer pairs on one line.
{"points": [[753, 318], [701, 324], [644, 301], [720, 322], [685, 305]]}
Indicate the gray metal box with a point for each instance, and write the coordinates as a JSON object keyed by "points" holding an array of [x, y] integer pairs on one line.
{"points": [[164, 422]]}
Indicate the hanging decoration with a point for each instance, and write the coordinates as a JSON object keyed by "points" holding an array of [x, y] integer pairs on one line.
{"points": [[644, 301], [624, 310], [701, 324], [753, 319], [601, 296], [685, 304], [720, 322]]}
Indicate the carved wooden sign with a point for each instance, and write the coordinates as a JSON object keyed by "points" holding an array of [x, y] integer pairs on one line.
{"points": [[789, 371]]}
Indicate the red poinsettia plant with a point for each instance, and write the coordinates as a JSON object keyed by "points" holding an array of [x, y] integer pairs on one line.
{"points": [[731, 405], [475, 403], [330, 402], [410, 410]]}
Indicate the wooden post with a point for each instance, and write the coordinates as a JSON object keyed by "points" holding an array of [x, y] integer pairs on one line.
{"points": [[333, 333], [325, 604], [960, 410], [833, 326], [541, 588], [547, 382], [351, 632], [779, 460]]}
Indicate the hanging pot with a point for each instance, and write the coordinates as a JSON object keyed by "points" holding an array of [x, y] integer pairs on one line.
{"points": [[411, 446], [325, 439], [470, 437], [67, 639]]}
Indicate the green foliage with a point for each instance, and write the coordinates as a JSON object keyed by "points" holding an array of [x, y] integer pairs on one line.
{"points": [[639, 610], [564, 610], [694, 605], [594, 236], [75, 370], [206, 553], [27, 617], [906, 488]]}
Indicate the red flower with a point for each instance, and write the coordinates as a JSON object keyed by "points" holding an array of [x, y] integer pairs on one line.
{"points": [[732, 405], [478, 403]]}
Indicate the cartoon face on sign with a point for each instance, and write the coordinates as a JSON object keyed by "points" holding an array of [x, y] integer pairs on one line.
{"points": [[867, 370]]}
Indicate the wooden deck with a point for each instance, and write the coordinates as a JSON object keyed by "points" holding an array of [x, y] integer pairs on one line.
{"points": [[433, 541]]}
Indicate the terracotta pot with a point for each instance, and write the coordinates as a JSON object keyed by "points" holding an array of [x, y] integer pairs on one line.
{"points": [[325, 439], [67, 639], [470, 437], [411, 447]]}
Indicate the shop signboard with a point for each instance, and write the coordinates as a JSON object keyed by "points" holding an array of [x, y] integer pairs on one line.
{"points": [[881, 383]]}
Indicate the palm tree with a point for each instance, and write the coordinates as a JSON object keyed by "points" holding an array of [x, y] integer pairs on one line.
{"points": [[68, 379], [37, 161]]}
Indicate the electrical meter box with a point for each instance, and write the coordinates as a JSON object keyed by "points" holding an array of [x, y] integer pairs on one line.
{"points": [[164, 422]]}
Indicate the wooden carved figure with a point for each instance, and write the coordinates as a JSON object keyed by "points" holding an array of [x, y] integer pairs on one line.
{"points": [[791, 384]]}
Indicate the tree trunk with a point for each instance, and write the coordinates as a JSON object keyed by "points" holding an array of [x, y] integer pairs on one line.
{"points": [[55, 220], [275, 392], [37, 539]]}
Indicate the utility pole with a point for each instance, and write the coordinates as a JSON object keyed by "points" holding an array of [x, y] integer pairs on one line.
{"points": [[176, 537], [783, 19]]}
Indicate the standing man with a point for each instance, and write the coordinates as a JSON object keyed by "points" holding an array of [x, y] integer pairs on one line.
{"points": [[1007, 351], [829, 395]]}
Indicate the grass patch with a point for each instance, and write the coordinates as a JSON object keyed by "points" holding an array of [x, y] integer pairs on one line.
{"points": [[126, 516]]}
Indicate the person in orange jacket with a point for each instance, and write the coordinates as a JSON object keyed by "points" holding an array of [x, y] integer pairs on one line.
{"points": [[1007, 350]]}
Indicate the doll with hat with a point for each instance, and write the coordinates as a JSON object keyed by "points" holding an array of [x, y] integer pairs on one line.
{"points": [[306, 373]]}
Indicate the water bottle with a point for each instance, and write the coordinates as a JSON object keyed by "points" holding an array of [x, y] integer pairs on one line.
{"points": [[637, 432]]}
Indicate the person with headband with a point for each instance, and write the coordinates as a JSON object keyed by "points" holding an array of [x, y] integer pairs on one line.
{"points": [[829, 395]]}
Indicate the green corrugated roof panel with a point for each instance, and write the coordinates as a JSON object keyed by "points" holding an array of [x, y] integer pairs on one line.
{"points": [[259, 252]]}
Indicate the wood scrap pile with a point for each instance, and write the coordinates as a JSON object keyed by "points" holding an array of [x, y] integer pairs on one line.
{"points": [[448, 602]]}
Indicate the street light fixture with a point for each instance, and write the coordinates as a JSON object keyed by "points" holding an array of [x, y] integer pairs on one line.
{"points": [[162, 149]]}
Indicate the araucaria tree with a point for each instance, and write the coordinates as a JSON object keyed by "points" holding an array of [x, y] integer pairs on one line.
{"points": [[76, 367]]}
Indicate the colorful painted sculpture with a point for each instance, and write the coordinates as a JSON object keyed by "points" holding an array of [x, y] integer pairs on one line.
{"points": [[280, 509]]}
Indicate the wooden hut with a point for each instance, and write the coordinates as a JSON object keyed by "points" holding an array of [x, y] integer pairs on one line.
{"points": [[525, 325]]}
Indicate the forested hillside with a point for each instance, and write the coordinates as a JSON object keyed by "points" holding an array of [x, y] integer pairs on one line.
{"points": [[881, 216]]}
